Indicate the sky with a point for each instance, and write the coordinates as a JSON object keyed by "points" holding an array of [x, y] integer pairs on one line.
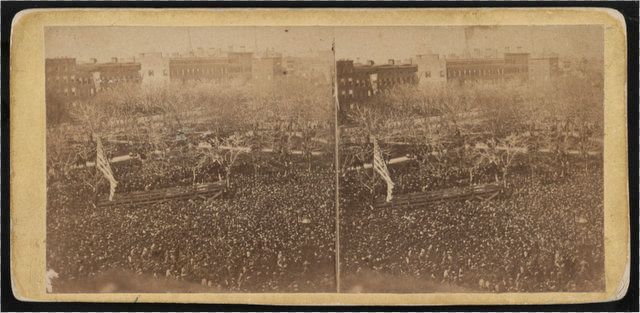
{"points": [[363, 43]]}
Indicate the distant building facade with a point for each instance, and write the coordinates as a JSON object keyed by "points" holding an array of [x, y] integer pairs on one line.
{"points": [[431, 68], [71, 80], [318, 66], [66, 82], [154, 68], [357, 82], [513, 66], [198, 69], [240, 64], [267, 68], [212, 66], [113, 74], [541, 70]]}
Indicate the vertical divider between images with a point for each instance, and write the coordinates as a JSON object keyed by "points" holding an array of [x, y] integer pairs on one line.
{"points": [[336, 107]]}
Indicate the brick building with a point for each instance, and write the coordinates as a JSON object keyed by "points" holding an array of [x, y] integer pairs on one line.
{"points": [[198, 69], [358, 82], [513, 66], [113, 74], [66, 81], [201, 67]]}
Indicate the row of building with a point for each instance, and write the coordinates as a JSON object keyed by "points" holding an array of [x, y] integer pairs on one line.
{"points": [[69, 79], [357, 81]]}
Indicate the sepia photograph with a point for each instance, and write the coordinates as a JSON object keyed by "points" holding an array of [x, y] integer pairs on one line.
{"points": [[471, 164], [190, 159], [337, 157], [204, 161]]}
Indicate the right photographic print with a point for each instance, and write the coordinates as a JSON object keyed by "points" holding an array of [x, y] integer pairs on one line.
{"points": [[470, 159]]}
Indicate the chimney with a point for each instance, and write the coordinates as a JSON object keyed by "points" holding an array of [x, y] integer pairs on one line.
{"points": [[391, 62], [114, 60], [94, 60], [370, 62]]}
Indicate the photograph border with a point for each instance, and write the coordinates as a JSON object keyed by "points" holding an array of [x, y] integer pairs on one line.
{"points": [[27, 114]]}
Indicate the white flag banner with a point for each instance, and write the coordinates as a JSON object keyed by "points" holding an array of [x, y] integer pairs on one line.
{"points": [[102, 163], [380, 166]]}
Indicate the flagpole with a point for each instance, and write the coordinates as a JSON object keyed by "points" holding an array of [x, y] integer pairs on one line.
{"points": [[334, 81]]}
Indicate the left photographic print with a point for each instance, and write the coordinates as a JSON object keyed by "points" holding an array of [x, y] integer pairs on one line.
{"points": [[190, 159]]}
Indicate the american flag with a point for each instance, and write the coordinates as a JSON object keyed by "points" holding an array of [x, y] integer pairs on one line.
{"points": [[381, 167], [102, 163]]}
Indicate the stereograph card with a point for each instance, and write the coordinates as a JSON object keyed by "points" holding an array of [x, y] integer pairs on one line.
{"points": [[320, 156]]}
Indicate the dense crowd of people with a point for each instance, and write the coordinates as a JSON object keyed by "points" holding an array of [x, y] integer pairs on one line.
{"points": [[272, 233], [541, 237], [273, 230]]}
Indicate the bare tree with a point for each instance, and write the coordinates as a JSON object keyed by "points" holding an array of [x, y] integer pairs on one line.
{"points": [[502, 153], [225, 152]]}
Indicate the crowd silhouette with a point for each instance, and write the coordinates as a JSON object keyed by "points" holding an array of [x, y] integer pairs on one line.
{"points": [[269, 233], [541, 237]]}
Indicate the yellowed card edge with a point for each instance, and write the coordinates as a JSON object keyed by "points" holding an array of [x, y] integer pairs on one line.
{"points": [[27, 144]]}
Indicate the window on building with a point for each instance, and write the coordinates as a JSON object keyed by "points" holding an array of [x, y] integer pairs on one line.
{"points": [[351, 91], [441, 73], [427, 74], [164, 72], [343, 92], [150, 73], [73, 90]]}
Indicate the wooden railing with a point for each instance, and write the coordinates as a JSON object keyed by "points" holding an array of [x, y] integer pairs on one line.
{"points": [[200, 191], [420, 199]]}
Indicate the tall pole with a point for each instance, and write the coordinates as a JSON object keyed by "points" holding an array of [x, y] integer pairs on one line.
{"points": [[334, 81]]}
